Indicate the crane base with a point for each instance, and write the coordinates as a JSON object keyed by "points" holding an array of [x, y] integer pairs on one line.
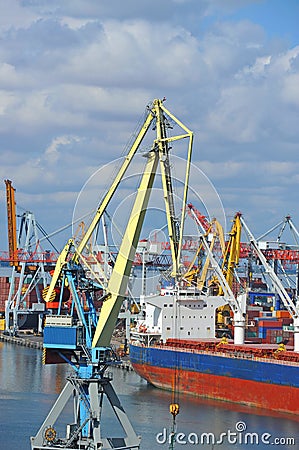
{"points": [[85, 432]]}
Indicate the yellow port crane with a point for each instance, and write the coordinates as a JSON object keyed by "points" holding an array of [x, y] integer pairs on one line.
{"points": [[197, 275], [83, 340], [230, 261], [232, 252]]}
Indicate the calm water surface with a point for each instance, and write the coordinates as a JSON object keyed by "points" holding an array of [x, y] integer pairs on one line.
{"points": [[28, 390]]}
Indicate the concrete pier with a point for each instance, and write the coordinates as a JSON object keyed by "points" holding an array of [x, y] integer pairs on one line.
{"points": [[37, 342], [25, 341]]}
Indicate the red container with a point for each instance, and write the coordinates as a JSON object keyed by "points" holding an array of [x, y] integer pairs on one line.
{"points": [[270, 323], [52, 305]]}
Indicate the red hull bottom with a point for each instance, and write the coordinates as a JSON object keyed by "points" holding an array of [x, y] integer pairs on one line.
{"points": [[262, 395]]}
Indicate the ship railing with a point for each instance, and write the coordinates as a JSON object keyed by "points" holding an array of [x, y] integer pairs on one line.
{"points": [[235, 355]]}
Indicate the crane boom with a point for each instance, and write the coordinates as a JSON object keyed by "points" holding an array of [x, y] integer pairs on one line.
{"points": [[287, 301], [117, 180], [232, 251], [118, 281], [227, 292], [292, 308], [103, 205]]}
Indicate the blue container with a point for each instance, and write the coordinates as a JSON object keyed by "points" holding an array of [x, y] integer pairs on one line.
{"points": [[262, 333], [60, 337]]}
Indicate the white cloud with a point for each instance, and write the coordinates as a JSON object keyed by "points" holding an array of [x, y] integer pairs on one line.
{"points": [[132, 53], [258, 68], [75, 23], [52, 153], [76, 76]]}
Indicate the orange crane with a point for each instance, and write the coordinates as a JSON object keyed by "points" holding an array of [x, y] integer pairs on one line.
{"points": [[17, 255], [28, 263], [11, 221]]}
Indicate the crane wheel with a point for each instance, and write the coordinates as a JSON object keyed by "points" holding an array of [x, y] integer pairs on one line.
{"points": [[50, 434]]}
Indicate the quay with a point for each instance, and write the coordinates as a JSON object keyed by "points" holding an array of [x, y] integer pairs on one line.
{"points": [[33, 341], [24, 340]]}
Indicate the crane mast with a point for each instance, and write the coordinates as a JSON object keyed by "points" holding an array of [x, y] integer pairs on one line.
{"points": [[175, 225], [83, 339], [237, 305], [11, 221], [232, 251]]}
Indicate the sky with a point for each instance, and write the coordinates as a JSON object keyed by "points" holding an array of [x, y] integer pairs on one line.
{"points": [[77, 75]]}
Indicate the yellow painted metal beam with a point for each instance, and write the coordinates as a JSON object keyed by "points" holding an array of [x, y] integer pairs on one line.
{"points": [[118, 282], [172, 222], [85, 239], [60, 263], [232, 252], [175, 224]]}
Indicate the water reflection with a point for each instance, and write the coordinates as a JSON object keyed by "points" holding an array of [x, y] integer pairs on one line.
{"points": [[21, 370], [28, 390], [150, 409]]}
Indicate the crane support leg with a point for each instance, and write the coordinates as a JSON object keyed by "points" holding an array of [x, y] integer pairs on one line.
{"points": [[40, 441], [85, 432]]}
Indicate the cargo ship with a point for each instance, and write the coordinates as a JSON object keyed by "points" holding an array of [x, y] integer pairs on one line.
{"points": [[175, 349]]}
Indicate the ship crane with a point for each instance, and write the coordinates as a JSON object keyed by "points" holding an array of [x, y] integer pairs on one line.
{"points": [[237, 305], [292, 308], [83, 339], [224, 275], [215, 235]]}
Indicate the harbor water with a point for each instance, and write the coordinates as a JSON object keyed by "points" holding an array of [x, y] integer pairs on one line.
{"points": [[28, 390]]}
